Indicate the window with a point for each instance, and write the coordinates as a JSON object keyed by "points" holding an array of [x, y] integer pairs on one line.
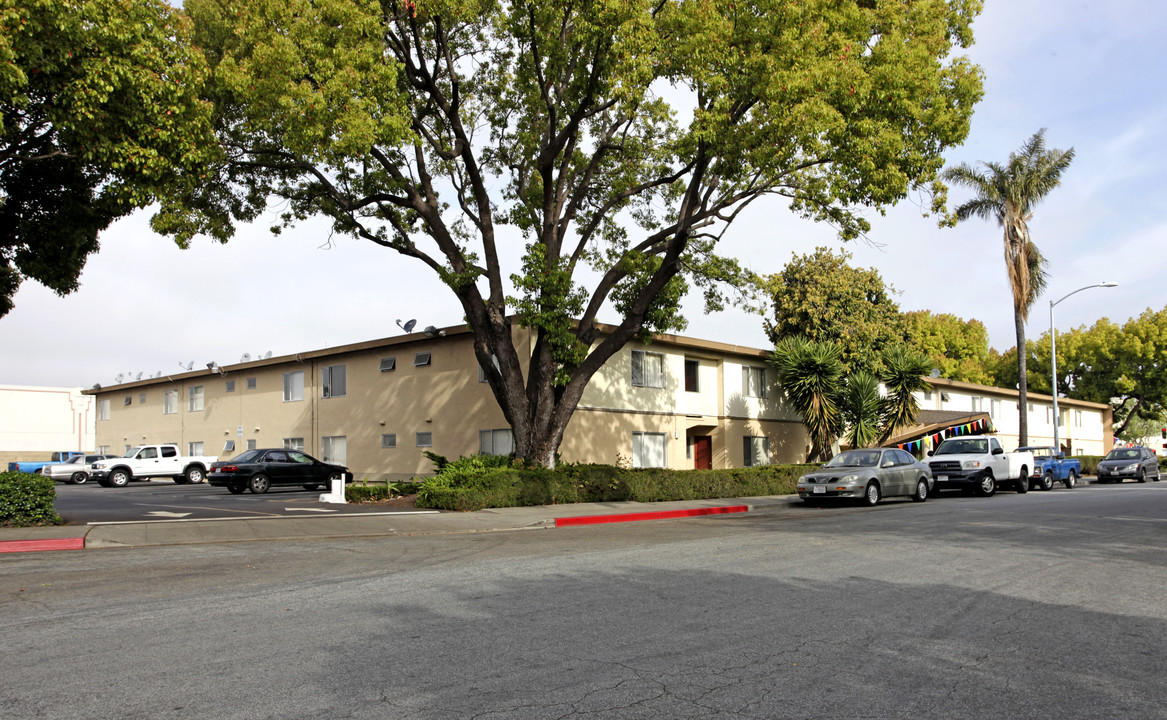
{"points": [[250, 383], [332, 381], [978, 404], [194, 399], [127, 450], [755, 451], [995, 406], [194, 448], [230, 386], [127, 399], [294, 386], [425, 439], [1077, 418], [388, 364], [648, 369], [928, 395], [334, 449], [421, 359], [691, 371], [648, 449], [754, 381], [294, 444], [389, 440], [229, 446], [495, 442], [103, 409], [141, 398], [103, 449], [251, 444], [945, 397], [482, 373], [170, 402]]}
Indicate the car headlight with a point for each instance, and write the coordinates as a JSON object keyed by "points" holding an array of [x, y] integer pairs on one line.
{"points": [[98, 466], [802, 480], [1131, 468], [971, 464], [849, 479]]}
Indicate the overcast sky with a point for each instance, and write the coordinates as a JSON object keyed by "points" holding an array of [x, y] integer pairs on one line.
{"points": [[1090, 72]]}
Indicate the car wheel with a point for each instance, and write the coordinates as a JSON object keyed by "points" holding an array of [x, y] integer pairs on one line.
{"points": [[195, 474], [1158, 473], [259, 484], [987, 487], [119, 478], [921, 493], [79, 478], [1047, 481], [1142, 475], [1071, 480], [871, 495], [236, 489], [1021, 484]]}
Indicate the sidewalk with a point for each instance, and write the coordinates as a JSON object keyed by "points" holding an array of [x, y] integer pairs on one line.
{"points": [[373, 524]]}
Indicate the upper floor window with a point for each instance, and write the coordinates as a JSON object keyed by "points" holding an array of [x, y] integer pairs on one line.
{"points": [[294, 386], [692, 368], [1077, 418], [754, 381], [648, 369], [978, 404], [482, 373], [389, 440], [141, 398], [103, 409], [127, 400], [230, 386], [170, 402], [388, 364], [194, 399], [332, 381], [421, 359], [250, 383]]}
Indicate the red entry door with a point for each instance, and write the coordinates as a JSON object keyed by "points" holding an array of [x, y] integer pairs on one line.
{"points": [[702, 452]]}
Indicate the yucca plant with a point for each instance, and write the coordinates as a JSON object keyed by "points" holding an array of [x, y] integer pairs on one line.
{"points": [[810, 374]]}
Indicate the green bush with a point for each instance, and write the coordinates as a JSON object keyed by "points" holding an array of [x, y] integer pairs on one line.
{"points": [[1089, 463], [372, 492], [477, 482], [27, 499]]}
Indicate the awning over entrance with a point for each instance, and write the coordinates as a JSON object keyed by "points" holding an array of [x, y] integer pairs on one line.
{"points": [[935, 425]]}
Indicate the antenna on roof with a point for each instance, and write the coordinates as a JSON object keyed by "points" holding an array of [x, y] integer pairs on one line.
{"points": [[267, 354], [138, 376], [186, 366], [246, 358], [120, 377], [408, 326]]}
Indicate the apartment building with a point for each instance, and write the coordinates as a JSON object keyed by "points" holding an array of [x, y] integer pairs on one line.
{"points": [[35, 422]]}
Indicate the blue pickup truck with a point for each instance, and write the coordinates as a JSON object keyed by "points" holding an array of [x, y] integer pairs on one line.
{"points": [[35, 466], [1050, 467]]}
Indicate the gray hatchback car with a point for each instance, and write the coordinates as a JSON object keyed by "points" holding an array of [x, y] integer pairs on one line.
{"points": [[1128, 462], [868, 475]]}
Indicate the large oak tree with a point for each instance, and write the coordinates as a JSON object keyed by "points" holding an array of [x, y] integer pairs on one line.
{"points": [[622, 137]]}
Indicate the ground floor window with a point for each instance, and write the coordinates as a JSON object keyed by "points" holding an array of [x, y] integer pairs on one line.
{"points": [[194, 448], [294, 444], [495, 442], [334, 449], [756, 451], [648, 450]]}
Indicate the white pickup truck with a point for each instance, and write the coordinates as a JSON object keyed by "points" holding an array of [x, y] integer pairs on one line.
{"points": [[978, 463], [147, 461]]}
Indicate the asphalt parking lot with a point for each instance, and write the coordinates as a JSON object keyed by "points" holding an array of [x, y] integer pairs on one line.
{"points": [[164, 500]]}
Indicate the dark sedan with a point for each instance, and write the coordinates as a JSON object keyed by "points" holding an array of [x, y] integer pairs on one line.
{"points": [[258, 470], [1128, 462]]}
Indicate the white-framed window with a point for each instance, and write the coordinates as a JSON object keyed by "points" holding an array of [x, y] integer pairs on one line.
{"points": [[294, 444], [496, 442], [170, 402], [1049, 414], [334, 449], [422, 359], [194, 448], [251, 443], [978, 404], [424, 439], [755, 451], [250, 383], [103, 449], [127, 446], [103, 409], [648, 450], [995, 408], [754, 381], [230, 386], [229, 446], [332, 381], [648, 369], [388, 364], [294, 386], [928, 396], [1077, 418], [194, 399], [127, 400], [388, 440], [482, 373]]}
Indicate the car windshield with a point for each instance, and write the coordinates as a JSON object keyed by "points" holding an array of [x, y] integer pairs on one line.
{"points": [[74, 460], [249, 456], [970, 446], [132, 451], [1122, 454], [1039, 453], [855, 458]]}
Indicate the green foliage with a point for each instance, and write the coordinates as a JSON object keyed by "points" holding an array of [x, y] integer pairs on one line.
{"points": [[903, 377], [810, 374], [373, 492], [99, 111], [958, 348], [823, 299], [862, 408], [27, 499], [477, 486]]}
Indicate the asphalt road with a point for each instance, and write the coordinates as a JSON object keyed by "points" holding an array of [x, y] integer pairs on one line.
{"points": [[1046, 605]]}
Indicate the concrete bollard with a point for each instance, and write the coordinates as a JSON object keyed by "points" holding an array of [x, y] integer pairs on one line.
{"points": [[337, 494]]}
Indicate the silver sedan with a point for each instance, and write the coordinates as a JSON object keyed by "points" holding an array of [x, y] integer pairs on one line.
{"points": [[75, 470], [868, 475]]}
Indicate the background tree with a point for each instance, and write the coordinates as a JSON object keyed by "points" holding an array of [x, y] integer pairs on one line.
{"points": [[958, 348], [811, 374], [903, 377], [620, 137], [822, 298], [99, 107], [1008, 194]]}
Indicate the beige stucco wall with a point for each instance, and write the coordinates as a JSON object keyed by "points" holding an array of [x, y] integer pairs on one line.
{"points": [[37, 421]]}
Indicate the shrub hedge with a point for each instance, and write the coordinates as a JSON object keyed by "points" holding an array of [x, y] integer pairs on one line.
{"points": [[366, 492], [27, 499], [478, 482]]}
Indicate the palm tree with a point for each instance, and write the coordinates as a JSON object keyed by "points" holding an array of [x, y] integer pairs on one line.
{"points": [[862, 408], [1008, 193], [811, 374], [903, 376]]}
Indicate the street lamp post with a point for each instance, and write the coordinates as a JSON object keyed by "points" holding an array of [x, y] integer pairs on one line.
{"points": [[1053, 354]]}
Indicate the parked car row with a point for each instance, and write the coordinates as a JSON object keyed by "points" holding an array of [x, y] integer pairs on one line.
{"points": [[973, 464]]}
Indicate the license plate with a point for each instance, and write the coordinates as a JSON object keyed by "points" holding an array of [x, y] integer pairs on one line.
{"points": [[820, 490], [941, 478]]}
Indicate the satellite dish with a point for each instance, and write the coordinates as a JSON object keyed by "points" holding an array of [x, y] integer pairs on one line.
{"points": [[408, 326], [246, 358], [120, 377], [267, 354], [935, 373], [138, 376]]}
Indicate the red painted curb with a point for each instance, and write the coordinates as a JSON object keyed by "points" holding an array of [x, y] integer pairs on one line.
{"points": [[657, 515], [33, 545]]}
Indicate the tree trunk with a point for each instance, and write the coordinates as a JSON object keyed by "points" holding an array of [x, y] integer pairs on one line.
{"points": [[1022, 383]]}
